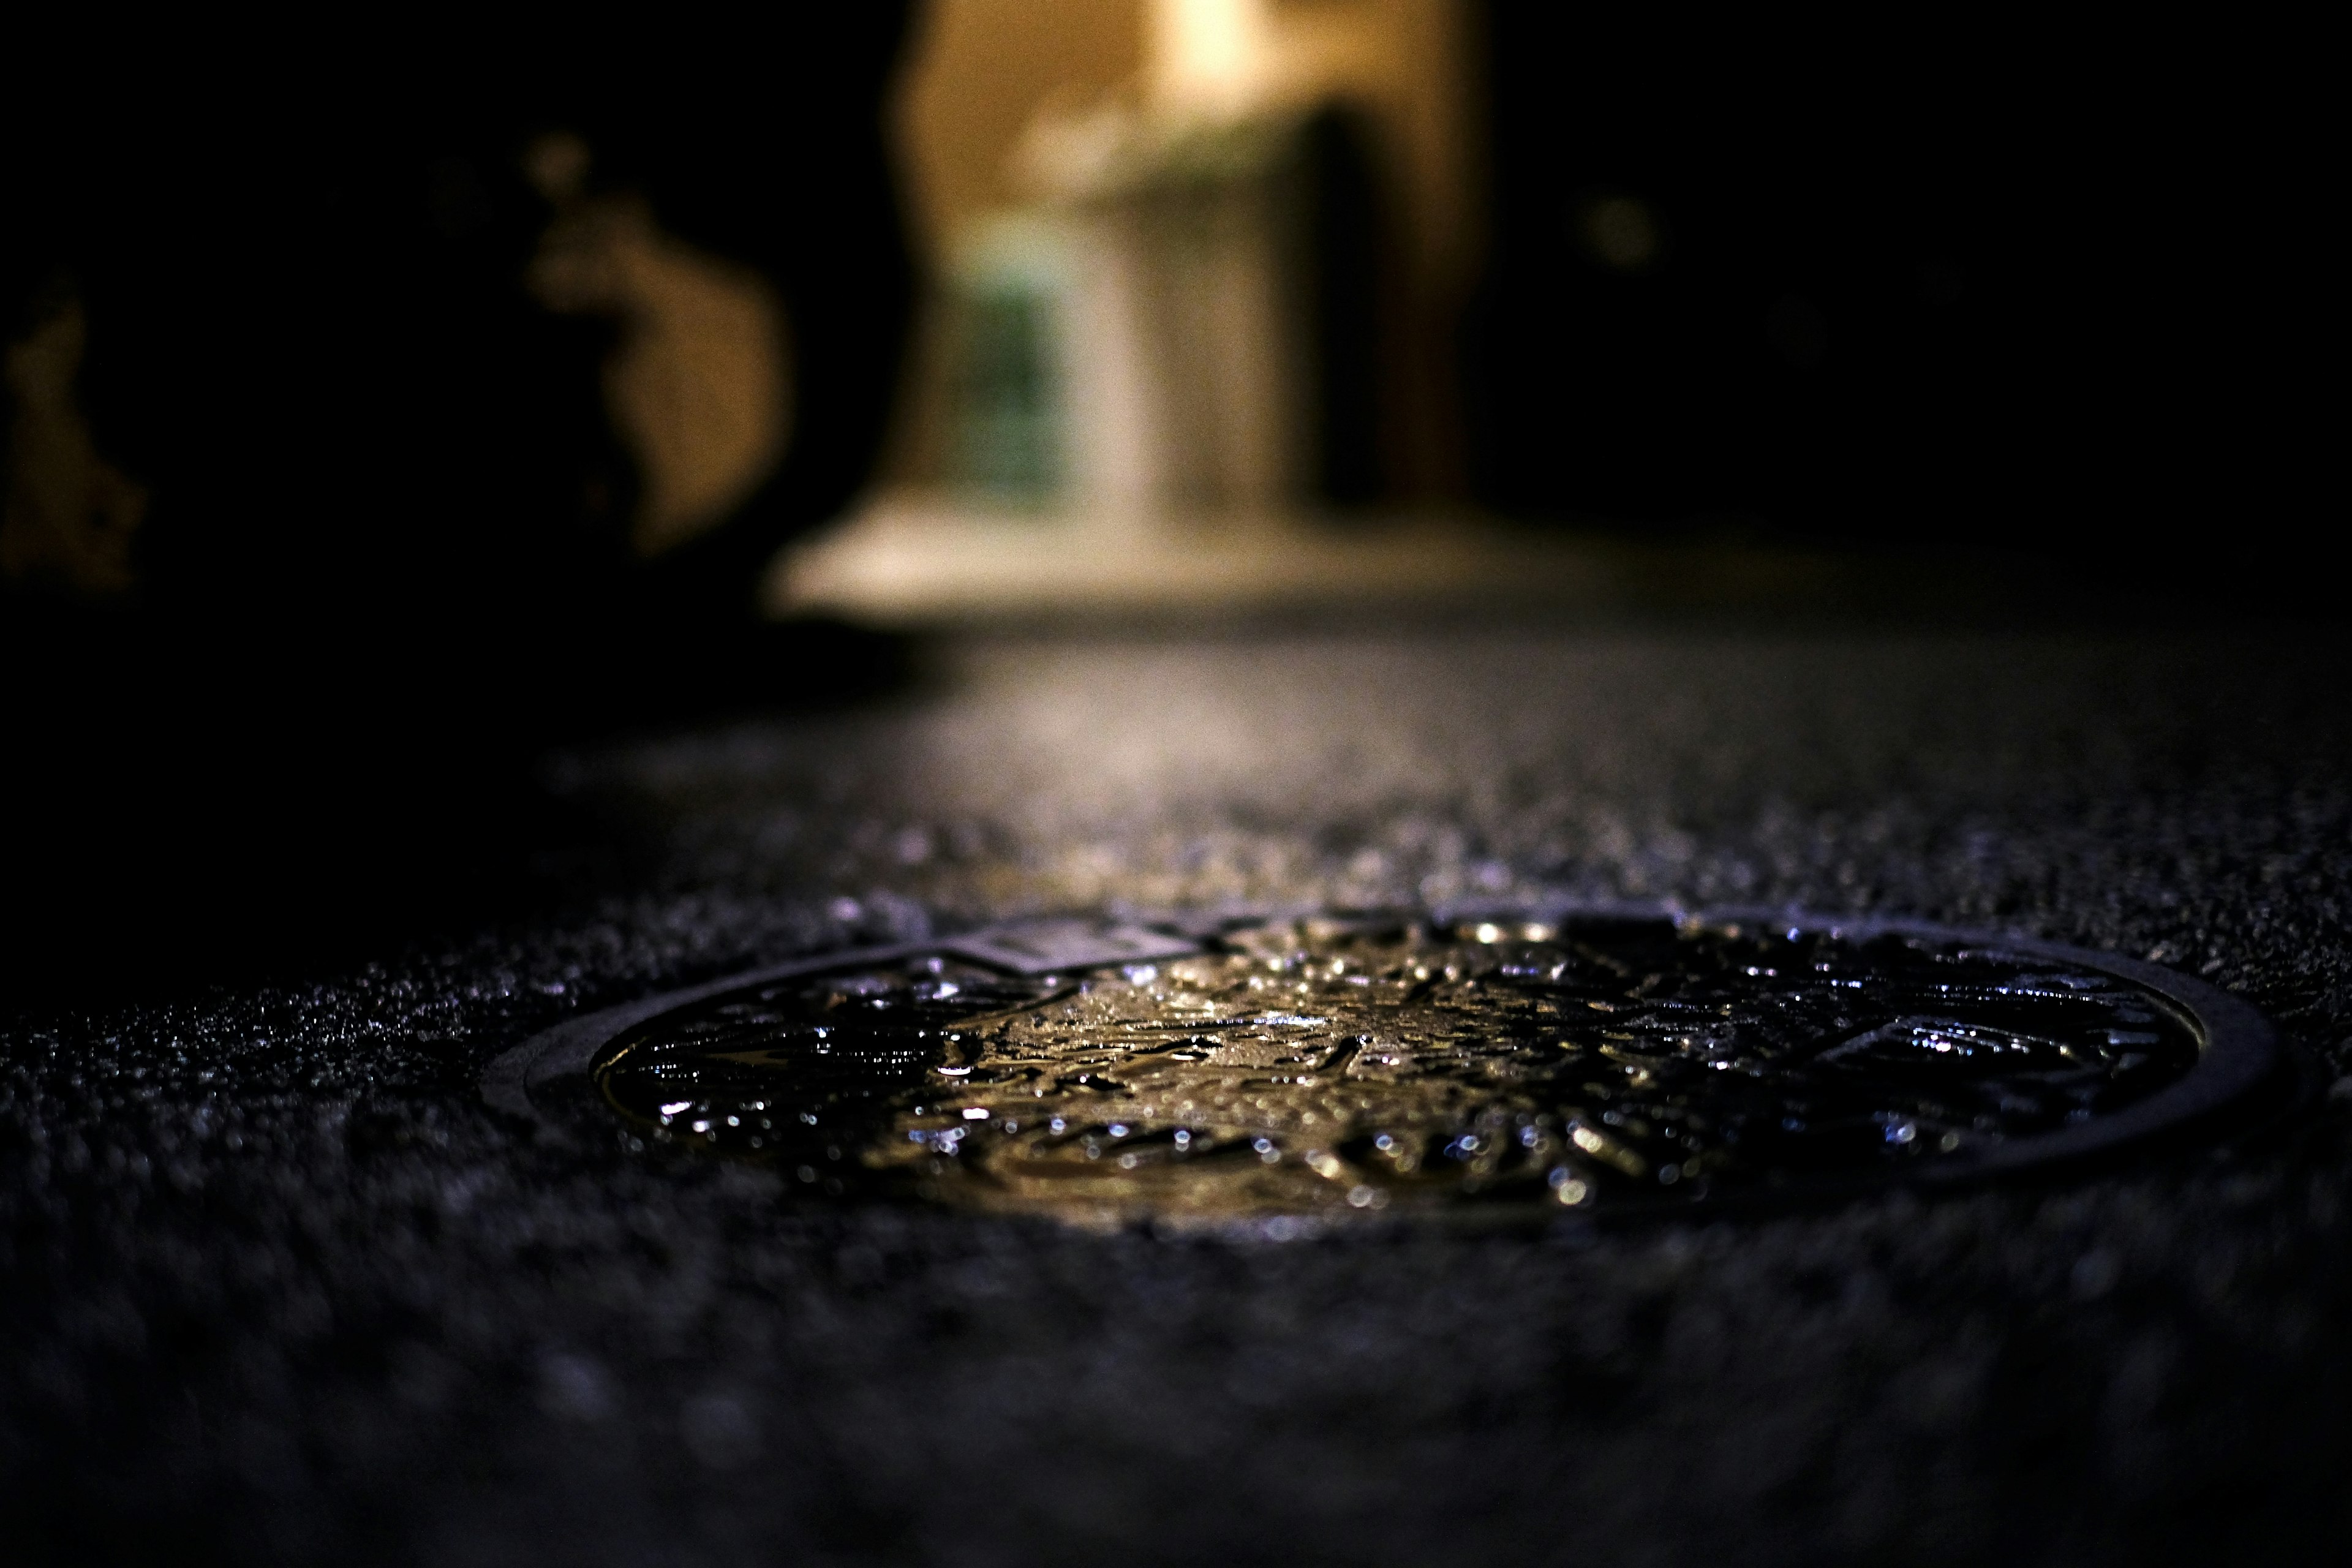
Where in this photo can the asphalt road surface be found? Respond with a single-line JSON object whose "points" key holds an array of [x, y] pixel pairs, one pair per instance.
{"points": [[277, 1285]]}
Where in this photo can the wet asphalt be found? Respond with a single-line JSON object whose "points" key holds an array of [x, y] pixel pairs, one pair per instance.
{"points": [[277, 1285]]}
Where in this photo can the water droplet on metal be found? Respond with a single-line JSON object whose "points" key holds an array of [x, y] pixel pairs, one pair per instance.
{"points": [[1410, 1066]]}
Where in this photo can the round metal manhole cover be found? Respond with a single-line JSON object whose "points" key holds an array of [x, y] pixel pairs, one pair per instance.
{"points": [[1331, 1068]]}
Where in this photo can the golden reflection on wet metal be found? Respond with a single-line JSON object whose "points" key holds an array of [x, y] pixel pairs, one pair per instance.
{"points": [[1337, 1070]]}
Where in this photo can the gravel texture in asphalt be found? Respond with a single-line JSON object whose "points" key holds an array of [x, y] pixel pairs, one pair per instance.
{"points": [[279, 1286]]}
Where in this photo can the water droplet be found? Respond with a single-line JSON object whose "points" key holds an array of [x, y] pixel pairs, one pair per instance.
{"points": [[1420, 1065]]}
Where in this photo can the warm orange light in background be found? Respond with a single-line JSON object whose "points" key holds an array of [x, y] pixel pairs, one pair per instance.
{"points": [[982, 71], [1119, 204], [698, 385], [1213, 56]]}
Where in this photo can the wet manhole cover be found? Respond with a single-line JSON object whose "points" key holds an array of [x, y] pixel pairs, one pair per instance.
{"points": [[1336, 1067]]}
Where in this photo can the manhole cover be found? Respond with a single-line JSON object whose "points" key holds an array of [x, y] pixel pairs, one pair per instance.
{"points": [[1329, 1067]]}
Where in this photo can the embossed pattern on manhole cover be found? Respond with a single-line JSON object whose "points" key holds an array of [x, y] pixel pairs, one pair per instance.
{"points": [[1334, 1067]]}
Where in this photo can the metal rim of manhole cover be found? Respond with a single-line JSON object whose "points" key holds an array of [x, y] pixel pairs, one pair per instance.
{"points": [[1301, 1069]]}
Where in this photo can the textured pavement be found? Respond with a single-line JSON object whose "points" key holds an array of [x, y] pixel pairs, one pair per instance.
{"points": [[276, 1285]]}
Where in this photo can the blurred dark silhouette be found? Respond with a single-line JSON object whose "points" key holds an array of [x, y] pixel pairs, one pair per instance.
{"points": [[1970, 279], [1355, 409], [325, 506]]}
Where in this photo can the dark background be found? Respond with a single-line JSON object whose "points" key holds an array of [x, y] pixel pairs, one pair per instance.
{"points": [[2040, 283], [310, 335], [386, 561]]}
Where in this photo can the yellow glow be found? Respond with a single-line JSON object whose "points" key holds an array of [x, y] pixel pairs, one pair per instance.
{"points": [[1212, 56]]}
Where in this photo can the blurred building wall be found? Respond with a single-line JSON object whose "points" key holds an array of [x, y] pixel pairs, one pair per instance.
{"points": [[987, 76], [979, 72]]}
